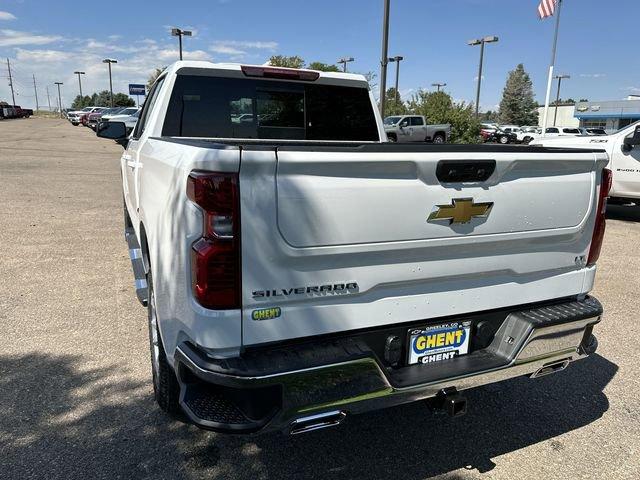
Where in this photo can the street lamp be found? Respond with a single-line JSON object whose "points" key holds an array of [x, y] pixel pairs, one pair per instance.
{"points": [[385, 52], [560, 78], [344, 61], [109, 61], [177, 32], [59, 98], [79, 81], [481, 42], [438, 85], [397, 59]]}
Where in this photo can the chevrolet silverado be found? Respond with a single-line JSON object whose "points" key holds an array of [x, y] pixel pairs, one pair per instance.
{"points": [[297, 268]]}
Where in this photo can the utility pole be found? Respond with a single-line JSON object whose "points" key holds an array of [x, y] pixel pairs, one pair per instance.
{"points": [[79, 81], [59, 97], [397, 59], [560, 78], [177, 32], [481, 42], [385, 56], [35, 90], [13, 95], [439, 85], [48, 98], [109, 61], [344, 61]]}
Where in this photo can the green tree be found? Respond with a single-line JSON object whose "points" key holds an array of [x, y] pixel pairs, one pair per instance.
{"points": [[284, 61], [81, 102], [518, 105], [394, 106], [123, 100], [439, 107], [323, 67], [154, 76]]}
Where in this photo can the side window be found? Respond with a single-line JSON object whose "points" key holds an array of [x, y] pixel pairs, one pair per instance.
{"points": [[417, 121], [147, 107], [552, 130]]}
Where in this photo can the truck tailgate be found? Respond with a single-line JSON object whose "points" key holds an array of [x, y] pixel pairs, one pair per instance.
{"points": [[337, 239]]}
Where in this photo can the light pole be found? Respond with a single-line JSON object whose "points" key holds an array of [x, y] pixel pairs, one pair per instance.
{"points": [[109, 61], [177, 32], [344, 61], [59, 98], [560, 78], [385, 53], [397, 59], [79, 81], [439, 85], [481, 42]]}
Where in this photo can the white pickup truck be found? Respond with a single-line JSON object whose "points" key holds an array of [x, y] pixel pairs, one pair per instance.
{"points": [[623, 148], [298, 269]]}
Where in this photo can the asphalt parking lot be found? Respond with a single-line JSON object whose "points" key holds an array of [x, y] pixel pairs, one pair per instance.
{"points": [[75, 388]]}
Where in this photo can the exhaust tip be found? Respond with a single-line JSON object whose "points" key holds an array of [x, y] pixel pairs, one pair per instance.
{"points": [[550, 368], [316, 422]]}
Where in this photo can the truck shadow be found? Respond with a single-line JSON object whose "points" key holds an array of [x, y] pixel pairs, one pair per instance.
{"points": [[625, 213], [60, 418]]}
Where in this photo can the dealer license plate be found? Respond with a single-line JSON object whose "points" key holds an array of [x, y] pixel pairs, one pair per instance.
{"points": [[438, 342]]}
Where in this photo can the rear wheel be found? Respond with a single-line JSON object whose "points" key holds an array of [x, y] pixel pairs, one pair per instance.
{"points": [[527, 140], [504, 139], [438, 138], [392, 138], [166, 389]]}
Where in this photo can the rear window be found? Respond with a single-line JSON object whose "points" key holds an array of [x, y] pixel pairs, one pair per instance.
{"points": [[261, 109], [571, 130]]}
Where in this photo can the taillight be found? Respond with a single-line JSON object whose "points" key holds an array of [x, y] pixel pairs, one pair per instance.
{"points": [[281, 73], [215, 257], [598, 231]]}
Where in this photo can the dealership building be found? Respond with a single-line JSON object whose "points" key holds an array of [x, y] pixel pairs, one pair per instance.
{"points": [[611, 115]]}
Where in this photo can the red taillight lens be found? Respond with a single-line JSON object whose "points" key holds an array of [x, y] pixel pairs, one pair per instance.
{"points": [[215, 258], [598, 231]]}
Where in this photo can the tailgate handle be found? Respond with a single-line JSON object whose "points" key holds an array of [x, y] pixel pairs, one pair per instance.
{"points": [[456, 171]]}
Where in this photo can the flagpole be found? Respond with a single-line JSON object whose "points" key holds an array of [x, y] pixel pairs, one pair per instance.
{"points": [[551, 67]]}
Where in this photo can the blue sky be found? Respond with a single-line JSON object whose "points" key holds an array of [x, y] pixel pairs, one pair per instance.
{"points": [[52, 39]]}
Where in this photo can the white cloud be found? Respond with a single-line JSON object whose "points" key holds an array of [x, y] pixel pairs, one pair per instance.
{"points": [[41, 55], [108, 47], [593, 75], [237, 49], [226, 50], [9, 38], [171, 55], [6, 16]]}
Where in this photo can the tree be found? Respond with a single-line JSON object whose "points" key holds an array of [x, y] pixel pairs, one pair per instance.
{"points": [[393, 107], [439, 107], [490, 116], [518, 105], [323, 67], [123, 100], [284, 61], [81, 102], [154, 76]]}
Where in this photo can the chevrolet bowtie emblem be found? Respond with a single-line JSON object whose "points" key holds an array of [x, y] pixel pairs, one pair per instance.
{"points": [[462, 210]]}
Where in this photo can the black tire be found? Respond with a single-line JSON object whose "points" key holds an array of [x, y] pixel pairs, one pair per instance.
{"points": [[527, 140], [166, 388], [392, 138], [439, 138], [504, 139]]}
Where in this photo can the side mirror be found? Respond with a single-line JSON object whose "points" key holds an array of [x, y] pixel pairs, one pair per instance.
{"points": [[632, 140], [112, 130]]}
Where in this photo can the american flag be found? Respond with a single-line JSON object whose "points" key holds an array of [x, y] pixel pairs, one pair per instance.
{"points": [[546, 8]]}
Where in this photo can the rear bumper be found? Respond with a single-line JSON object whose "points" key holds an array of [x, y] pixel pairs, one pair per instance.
{"points": [[271, 389]]}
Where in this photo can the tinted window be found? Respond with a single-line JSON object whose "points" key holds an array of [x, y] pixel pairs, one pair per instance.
{"points": [[417, 121], [203, 106], [571, 130], [391, 120], [553, 130]]}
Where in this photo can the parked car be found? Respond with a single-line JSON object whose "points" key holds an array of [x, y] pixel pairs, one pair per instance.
{"points": [[129, 120], [623, 148], [126, 111], [95, 117], [526, 134], [414, 128], [498, 136], [553, 132], [74, 116], [305, 270]]}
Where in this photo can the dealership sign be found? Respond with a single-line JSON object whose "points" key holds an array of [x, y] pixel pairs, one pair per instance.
{"points": [[137, 89]]}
